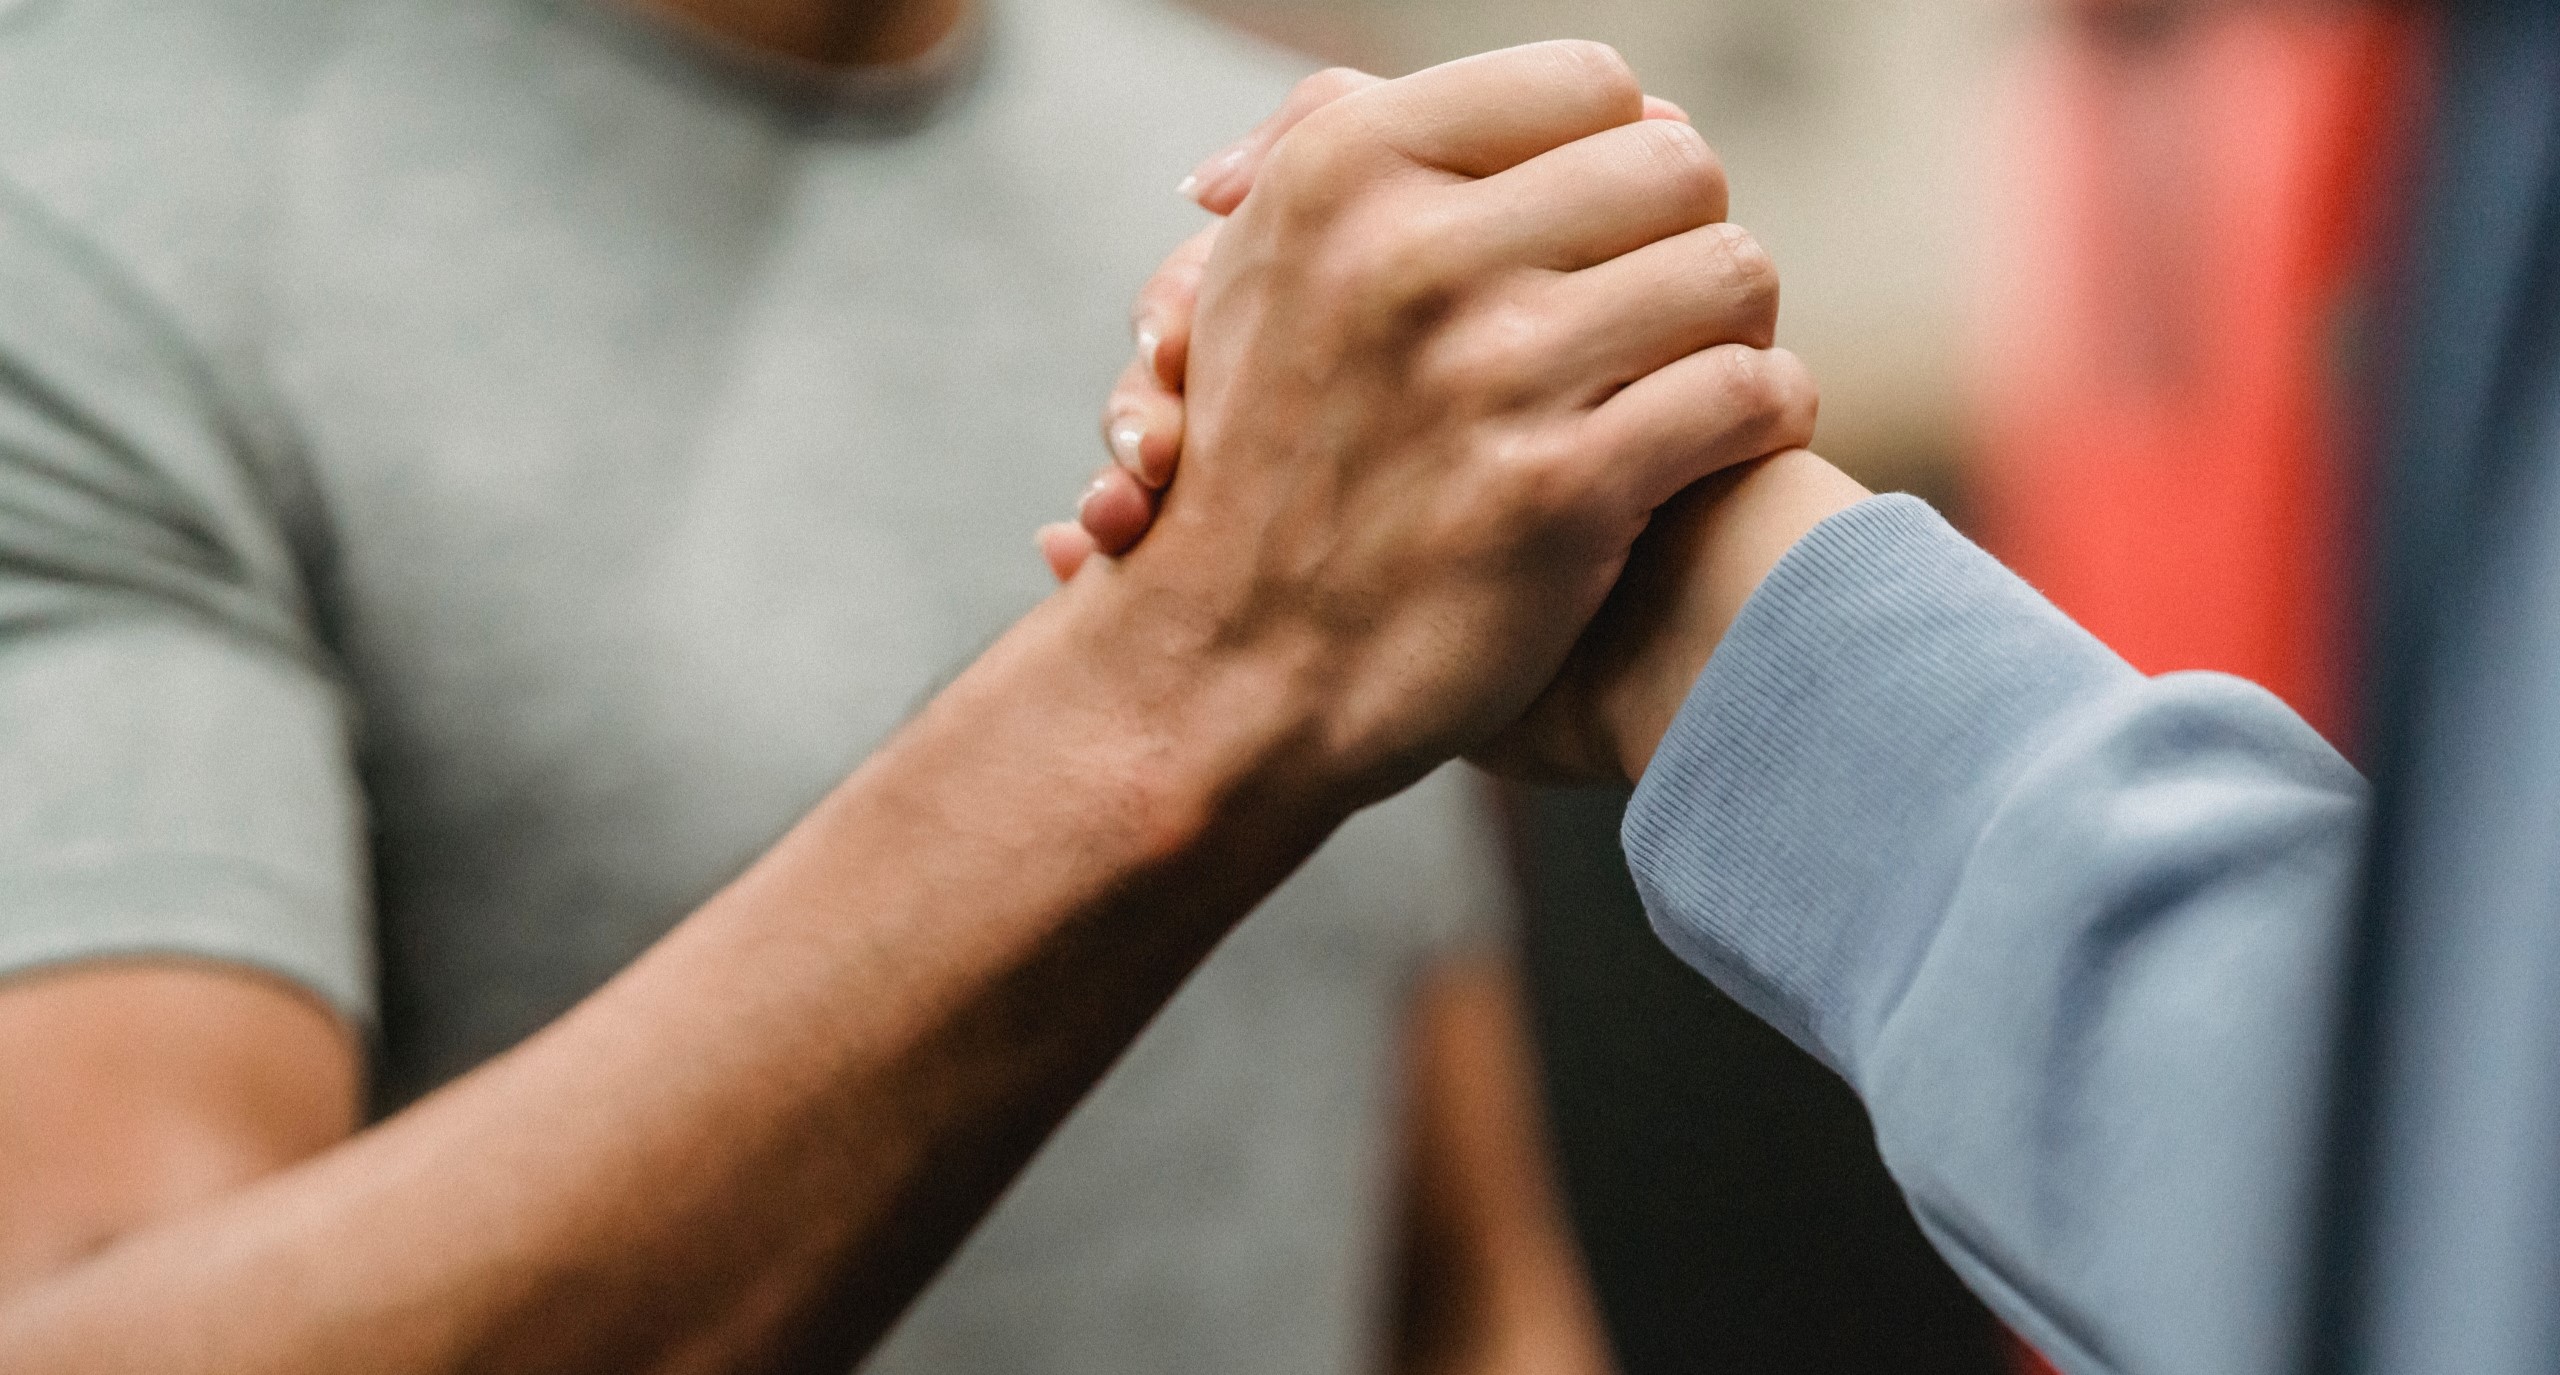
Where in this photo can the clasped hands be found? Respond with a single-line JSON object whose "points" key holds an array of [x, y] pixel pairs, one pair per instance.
{"points": [[1464, 343]]}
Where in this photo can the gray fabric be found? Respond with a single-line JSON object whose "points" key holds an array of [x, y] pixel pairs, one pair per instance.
{"points": [[2073, 934], [472, 472]]}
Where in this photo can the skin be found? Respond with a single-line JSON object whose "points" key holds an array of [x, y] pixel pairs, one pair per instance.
{"points": [[1491, 1279], [222, 1077], [1706, 550], [827, 33], [751, 1147]]}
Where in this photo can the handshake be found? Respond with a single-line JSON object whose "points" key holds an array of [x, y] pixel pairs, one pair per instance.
{"points": [[1463, 433], [1481, 431]]}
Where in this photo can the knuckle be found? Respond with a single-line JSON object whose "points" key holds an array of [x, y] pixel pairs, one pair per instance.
{"points": [[1331, 132], [1767, 395], [1495, 359], [1799, 398], [1397, 258], [1748, 384], [1325, 87], [1311, 164], [1686, 165], [1544, 482], [1598, 68], [1745, 261], [1743, 276]]}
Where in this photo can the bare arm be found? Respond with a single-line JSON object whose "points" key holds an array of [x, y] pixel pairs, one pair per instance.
{"points": [[751, 1148], [1493, 1281], [721, 1160], [218, 1077]]}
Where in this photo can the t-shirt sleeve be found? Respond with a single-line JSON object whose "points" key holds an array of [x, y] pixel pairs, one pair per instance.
{"points": [[176, 774]]}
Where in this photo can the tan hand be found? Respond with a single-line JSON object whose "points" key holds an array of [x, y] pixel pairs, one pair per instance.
{"points": [[1465, 333], [1626, 676], [1142, 423]]}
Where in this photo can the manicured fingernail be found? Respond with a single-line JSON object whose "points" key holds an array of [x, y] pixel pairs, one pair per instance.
{"points": [[1090, 493], [1212, 170], [1128, 443], [1189, 187], [1150, 338]]}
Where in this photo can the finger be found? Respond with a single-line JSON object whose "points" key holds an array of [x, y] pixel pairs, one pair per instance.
{"points": [[1706, 412], [1115, 511], [1219, 183], [1142, 425], [1644, 310], [1598, 197], [1221, 180], [1064, 546], [1160, 322], [1484, 114]]}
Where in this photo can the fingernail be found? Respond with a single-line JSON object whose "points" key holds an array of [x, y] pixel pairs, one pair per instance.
{"points": [[1189, 187], [1150, 338], [1212, 170], [1090, 492], [1128, 442]]}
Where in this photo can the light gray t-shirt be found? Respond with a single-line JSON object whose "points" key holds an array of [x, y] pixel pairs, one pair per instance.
{"points": [[473, 471]]}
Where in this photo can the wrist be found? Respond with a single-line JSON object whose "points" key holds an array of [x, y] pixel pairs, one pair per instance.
{"points": [[1183, 742], [1732, 541]]}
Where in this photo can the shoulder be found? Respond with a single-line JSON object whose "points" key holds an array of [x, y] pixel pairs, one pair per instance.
{"points": [[153, 132], [99, 98]]}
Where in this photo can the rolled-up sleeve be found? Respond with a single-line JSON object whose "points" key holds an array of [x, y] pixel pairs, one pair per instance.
{"points": [[2073, 933], [176, 775]]}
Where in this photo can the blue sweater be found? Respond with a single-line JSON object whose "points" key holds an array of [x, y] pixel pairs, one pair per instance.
{"points": [[2072, 933]]}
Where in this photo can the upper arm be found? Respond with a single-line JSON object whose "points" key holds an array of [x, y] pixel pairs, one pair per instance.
{"points": [[176, 775], [132, 1090]]}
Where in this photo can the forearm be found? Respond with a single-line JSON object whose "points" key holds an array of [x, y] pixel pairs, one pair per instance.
{"points": [[1494, 1281], [751, 1148], [2071, 932]]}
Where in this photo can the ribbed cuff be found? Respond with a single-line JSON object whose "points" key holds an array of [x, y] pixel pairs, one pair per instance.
{"points": [[1805, 819]]}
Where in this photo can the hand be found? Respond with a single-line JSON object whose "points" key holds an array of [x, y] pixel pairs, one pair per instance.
{"points": [[1142, 428], [1464, 334], [1142, 424], [1705, 552]]}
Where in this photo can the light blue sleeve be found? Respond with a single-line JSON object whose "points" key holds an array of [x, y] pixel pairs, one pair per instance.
{"points": [[2072, 933]]}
